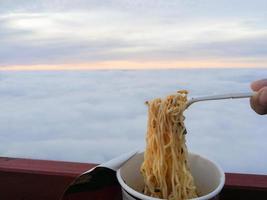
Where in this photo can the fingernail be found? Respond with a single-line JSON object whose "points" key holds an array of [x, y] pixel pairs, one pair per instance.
{"points": [[263, 98]]}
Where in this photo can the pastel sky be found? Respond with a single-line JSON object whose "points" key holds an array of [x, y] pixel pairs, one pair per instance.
{"points": [[93, 34]]}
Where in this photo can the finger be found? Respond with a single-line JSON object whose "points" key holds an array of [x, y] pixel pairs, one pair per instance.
{"points": [[259, 101], [257, 85]]}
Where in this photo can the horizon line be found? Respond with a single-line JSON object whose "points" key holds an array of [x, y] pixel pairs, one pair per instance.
{"points": [[136, 65]]}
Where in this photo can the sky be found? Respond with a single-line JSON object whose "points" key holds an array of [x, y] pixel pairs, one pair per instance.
{"points": [[116, 34], [94, 116]]}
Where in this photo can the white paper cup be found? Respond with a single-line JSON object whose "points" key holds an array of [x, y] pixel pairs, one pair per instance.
{"points": [[208, 176]]}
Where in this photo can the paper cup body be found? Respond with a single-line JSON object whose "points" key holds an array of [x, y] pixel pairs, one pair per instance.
{"points": [[208, 176]]}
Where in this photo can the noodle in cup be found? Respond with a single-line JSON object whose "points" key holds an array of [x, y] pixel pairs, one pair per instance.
{"points": [[208, 176]]}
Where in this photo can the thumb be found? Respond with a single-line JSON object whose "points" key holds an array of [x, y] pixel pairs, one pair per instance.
{"points": [[259, 101]]}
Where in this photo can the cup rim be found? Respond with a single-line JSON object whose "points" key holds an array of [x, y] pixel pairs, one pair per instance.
{"points": [[207, 196]]}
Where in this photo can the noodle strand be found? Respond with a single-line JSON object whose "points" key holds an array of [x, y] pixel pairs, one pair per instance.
{"points": [[165, 169]]}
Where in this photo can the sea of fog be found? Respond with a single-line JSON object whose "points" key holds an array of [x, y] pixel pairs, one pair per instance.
{"points": [[93, 116]]}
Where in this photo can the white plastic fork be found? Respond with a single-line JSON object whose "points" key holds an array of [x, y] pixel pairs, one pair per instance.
{"points": [[220, 97]]}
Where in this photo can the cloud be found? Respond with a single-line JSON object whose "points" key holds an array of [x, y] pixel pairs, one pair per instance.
{"points": [[168, 8], [254, 47], [60, 32], [93, 116]]}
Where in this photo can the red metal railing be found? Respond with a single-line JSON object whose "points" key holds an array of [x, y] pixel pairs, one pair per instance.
{"points": [[47, 180]]}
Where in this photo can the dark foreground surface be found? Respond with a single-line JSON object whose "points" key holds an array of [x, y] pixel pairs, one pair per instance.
{"points": [[29, 179]]}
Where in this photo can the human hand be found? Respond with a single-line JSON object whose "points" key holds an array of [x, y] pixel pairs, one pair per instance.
{"points": [[259, 101]]}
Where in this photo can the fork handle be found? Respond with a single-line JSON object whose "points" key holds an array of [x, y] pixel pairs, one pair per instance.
{"points": [[222, 96], [228, 96]]}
